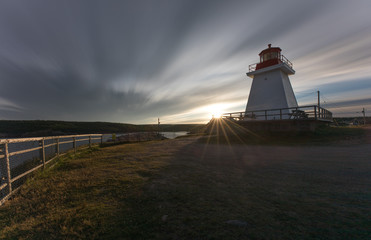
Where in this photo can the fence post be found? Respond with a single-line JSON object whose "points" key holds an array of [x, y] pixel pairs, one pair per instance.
{"points": [[89, 141], [315, 112], [265, 113], [281, 114], [74, 144], [43, 152], [2, 164], [57, 146], [101, 139], [8, 176]]}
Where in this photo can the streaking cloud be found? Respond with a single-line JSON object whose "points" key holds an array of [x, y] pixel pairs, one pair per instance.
{"points": [[134, 61]]}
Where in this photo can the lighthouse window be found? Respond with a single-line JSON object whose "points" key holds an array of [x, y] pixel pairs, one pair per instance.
{"points": [[271, 55], [267, 56]]}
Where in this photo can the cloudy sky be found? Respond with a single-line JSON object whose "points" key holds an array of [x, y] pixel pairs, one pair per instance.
{"points": [[180, 60]]}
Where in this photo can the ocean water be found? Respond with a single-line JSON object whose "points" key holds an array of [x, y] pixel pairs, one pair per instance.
{"points": [[173, 135]]}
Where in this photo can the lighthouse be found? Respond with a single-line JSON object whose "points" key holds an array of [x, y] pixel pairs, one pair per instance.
{"points": [[271, 104], [271, 88]]}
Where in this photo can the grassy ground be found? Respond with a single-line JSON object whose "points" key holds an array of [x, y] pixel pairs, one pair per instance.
{"points": [[187, 189], [226, 132]]}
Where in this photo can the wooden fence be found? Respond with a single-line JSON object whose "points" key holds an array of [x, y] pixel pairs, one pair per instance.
{"points": [[312, 112], [10, 175]]}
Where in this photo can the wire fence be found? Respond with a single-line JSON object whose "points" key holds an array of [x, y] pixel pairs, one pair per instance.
{"points": [[21, 156]]}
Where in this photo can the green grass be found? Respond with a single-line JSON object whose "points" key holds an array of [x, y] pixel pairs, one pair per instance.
{"points": [[185, 189], [77, 198]]}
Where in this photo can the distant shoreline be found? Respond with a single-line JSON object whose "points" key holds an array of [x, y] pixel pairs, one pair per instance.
{"points": [[40, 128]]}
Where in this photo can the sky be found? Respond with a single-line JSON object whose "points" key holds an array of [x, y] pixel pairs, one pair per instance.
{"points": [[177, 60]]}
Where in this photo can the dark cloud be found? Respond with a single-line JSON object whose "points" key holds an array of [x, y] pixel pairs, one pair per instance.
{"points": [[350, 103], [131, 61]]}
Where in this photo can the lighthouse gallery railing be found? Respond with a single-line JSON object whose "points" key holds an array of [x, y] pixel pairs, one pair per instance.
{"points": [[312, 112], [282, 59]]}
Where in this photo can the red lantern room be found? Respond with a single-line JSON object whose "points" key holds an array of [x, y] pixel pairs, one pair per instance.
{"points": [[268, 57]]}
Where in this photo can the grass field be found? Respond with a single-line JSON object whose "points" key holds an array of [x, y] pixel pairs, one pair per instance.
{"points": [[195, 188]]}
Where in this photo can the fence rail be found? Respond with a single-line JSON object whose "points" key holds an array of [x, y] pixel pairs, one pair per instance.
{"points": [[312, 112], [13, 171]]}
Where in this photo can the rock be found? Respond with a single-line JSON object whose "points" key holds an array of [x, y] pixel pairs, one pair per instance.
{"points": [[237, 223]]}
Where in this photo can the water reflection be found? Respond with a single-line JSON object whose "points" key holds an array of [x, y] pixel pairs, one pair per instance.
{"points": [[172, 135]]}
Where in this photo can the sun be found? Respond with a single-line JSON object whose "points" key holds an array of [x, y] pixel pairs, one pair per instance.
{"points": [[216, 114], [215, 111]]}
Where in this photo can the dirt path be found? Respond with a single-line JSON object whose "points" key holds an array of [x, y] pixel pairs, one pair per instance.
{"points": [[279, 192], [259, 154]]}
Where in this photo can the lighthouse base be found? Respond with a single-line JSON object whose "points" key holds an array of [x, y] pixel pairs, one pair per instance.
{"points": [[305, 118], [282, 125], [231, 127]]}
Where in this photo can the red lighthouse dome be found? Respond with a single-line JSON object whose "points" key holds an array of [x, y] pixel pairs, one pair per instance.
{"points": [[268, 57]]}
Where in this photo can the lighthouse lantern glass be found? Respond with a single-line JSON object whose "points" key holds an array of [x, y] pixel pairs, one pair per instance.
{"points": [[268, 56]]}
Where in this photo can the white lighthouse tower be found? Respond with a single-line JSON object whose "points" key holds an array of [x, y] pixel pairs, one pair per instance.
{"points": [[271, 88]]}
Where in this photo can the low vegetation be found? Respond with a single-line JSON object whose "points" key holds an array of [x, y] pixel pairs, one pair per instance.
{"points": [[186, 189], [39, 128]]}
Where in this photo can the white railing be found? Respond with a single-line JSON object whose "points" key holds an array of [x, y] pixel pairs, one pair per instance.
{"points": [[49, 148], [282, 59], [312, 112]]}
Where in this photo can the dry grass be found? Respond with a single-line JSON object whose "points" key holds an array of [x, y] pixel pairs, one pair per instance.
{"points": [[80, 197], [186, 189]]}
